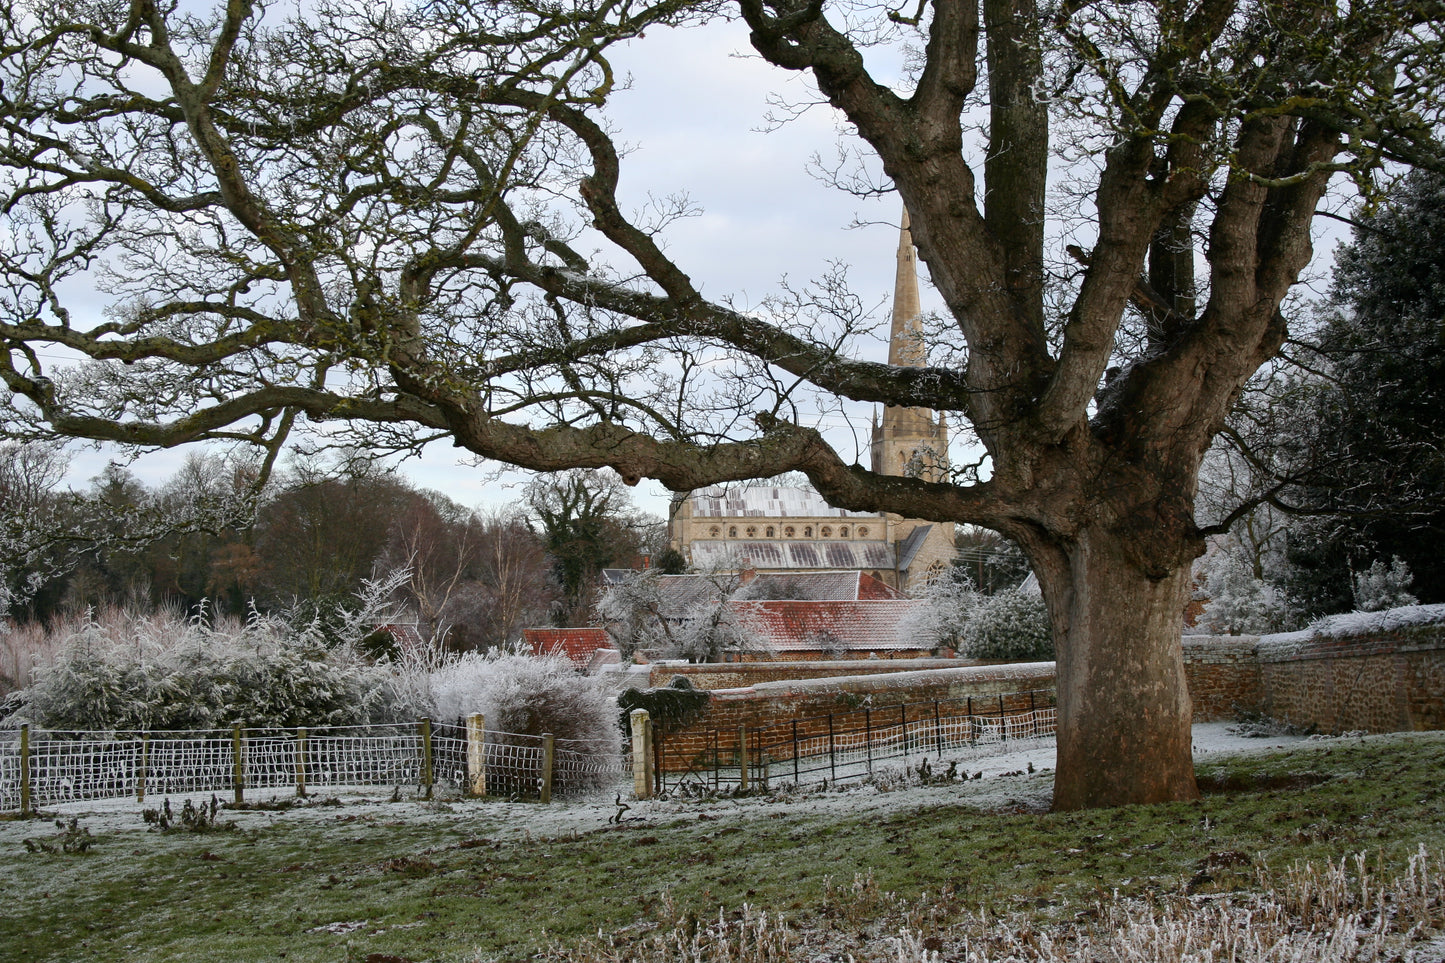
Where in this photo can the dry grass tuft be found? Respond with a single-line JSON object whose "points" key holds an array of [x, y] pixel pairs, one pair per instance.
{"points": [[1352, 911]]}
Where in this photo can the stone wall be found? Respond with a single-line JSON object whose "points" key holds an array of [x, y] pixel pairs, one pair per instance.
{"points": [[1386, 680]]}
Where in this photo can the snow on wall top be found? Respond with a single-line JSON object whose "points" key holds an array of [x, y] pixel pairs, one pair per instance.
{"points": [[1363, 623], [1353, 625]]}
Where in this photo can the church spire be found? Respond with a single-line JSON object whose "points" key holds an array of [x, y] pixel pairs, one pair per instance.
{"points": [[905, 341], [908, 440]]}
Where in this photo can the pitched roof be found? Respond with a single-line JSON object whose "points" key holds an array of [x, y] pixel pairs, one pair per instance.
{"points": [[576, 644], [854, 626], [820, 554], [766, 501], [816, 587], [679, 593], [909, 549]]}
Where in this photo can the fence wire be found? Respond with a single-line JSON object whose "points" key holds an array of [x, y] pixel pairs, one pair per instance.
{"points": [[81, 766]]}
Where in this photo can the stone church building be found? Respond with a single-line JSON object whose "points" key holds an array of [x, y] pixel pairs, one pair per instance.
{"points": [[774, 527]]}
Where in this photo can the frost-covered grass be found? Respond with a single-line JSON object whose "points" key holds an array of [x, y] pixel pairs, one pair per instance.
{"points": [[827, 875]]}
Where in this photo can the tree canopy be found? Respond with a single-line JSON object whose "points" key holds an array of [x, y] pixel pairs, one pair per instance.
{"points": [[404, 220]]}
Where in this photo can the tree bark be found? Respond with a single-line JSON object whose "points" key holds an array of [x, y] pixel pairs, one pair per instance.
{"points": [[1124, 712]]}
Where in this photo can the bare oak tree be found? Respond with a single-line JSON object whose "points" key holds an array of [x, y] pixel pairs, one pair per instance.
{"points": [[375, 215]]}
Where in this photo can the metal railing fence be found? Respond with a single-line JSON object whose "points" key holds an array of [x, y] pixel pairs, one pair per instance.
{"points": [[853, 745], [40, 768]]}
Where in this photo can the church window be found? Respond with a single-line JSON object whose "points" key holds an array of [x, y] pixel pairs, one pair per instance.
{"points": [[733, 531], [752, 531], [863, 531], [715, 532], [843, 532], [827, 531], [808, 531], [790, 532], [769, 532]]}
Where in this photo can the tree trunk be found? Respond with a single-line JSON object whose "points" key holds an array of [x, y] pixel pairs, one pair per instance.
{"points": [[1124, 711]]}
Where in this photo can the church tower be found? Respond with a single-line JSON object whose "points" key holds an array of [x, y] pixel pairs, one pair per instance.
{"points": [[910, 441], [785, 528]]}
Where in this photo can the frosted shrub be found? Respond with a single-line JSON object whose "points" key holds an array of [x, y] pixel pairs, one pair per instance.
{"points": [[948, 601], [1237, 601], [1011, 625], [157, 673], [1379, 588], [528, 695]]}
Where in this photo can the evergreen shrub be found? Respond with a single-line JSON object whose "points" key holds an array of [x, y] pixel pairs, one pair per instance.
{"points": [[1012, 626]]}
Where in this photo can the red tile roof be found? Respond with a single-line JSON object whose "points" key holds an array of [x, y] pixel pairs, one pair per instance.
{"points": [[577, 644], [853, 626]]}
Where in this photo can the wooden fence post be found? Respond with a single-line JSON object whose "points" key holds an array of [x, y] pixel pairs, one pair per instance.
{"points": [[795, 750], [145, 761], [477, 754], [549, 756], [238, 765], [903, 718], [643, 777], [301, 761], [426, 767], [868, 737], [832, 755], [25, 772], [742, 758]]}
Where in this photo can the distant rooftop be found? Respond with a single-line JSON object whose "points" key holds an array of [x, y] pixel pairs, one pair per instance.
{"points": [[578, 644], [710, 553], [870, 626], [766, 501]]}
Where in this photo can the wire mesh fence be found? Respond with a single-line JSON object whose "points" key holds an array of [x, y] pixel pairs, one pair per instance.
{"points": [[40, 768], [854, 745]]}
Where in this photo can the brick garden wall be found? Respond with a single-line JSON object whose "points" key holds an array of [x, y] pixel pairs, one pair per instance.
{"points": [[848, 698], [1224, 676], [1357, 672], [735, 675]]}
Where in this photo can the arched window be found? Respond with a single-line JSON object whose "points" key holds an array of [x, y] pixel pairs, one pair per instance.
{"points": [[732, 531], [808, 531], [843, 531], [769, 532]]}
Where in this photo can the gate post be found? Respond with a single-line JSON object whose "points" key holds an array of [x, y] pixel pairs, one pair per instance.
{"points": [[477, 754], [742, 759], [238, 765], [549, 756], [25, 771], [301, 761], [642, 767], [145, 758], [426, 764]]}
